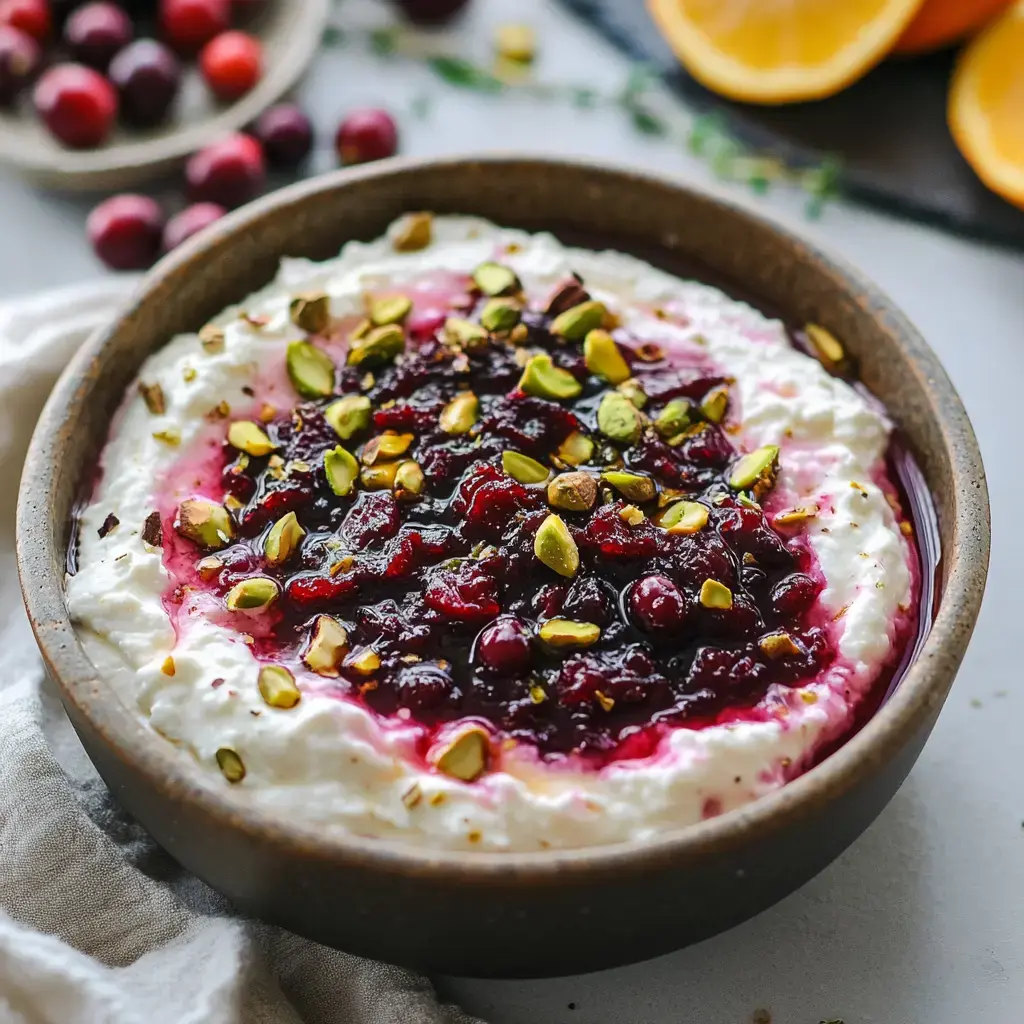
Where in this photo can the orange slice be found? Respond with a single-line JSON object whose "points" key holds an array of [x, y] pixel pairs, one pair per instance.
{"points": [[781, 51], [985, 104], [942, 22]]}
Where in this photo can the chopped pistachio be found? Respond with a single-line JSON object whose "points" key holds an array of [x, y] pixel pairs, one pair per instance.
{"points": [[791, 516], [253, 593], [409, 480], [204, 523], [826, 347], [568, 294], [714, 404], [230, 764], [348, 415], [233, 503], [575, 491], [327, 645], [388, 445], [516, 43], [542, 379], [377, 347], [283, 540], [524, 469], [458, 331], [413, 232], [649, 352], [566, 633], [363, 660], [603, 357], [209, 567], [684, 517], [537, 693], [631, 515], [277, 687], [310, 369], [171, 436], [212, 339], [632, 486], [494, 279], [715, 595], [778, 645], [311, 311], [267, 412], [756, 472], [619, 419], [459, 415], [391, 310], [634, 391], [153, 396], [379, 477], [674, 418], [341, 470], [576, 449], [189, 374], [577, 322], [360, 330], [465, 756], [500, 315], [249, 438], [606, 702], [554, 546]]}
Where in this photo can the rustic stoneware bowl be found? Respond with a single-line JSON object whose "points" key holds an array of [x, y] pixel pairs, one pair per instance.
{"points": [[517, 914]]}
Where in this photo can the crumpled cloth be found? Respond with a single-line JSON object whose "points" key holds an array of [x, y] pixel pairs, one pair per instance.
{"points": [[97, 924]]}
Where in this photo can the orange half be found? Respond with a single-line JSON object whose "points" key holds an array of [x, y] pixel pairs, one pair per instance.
{"points": [[781, 51], [942, 22], [986, 105]]}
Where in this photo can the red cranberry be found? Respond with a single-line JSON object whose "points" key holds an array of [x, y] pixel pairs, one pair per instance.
{"points": [[505, 646], [19, 60], [794, 594], [232, 64], [657, 604], [77, 104], [31, 16], [188, 25], [191, 220], [147, 76], [366, 135], [286, 134], [97, 31], [125, 231], [430, 12], [229, 172]]}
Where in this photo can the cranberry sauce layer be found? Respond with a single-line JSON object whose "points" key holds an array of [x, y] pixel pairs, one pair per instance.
{"points": [[514, 514]]}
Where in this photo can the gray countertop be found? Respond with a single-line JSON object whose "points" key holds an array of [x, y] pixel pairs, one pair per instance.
{"points": [[922, 920]]}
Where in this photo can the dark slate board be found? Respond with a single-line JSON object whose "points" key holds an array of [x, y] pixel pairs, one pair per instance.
{"points": [[889, 128]]}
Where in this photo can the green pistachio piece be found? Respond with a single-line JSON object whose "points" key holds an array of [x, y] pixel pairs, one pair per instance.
{"points": [[379, 477], [413, 232], [230, 764], [283, 540], [632, 486], [348, 415], [277, 687], [327, 646], [310, 369], [578, 321], [524, 469], [634, 391], [363, 660], [756, 472], [684, 517], [153, 396], [577, 449], [542, 379], [249, 438], [674, 418], [631, 515], [500, 315], [204, 523], [603, 357], [714, 404], [458, 331], [778, 645], [566, 633], [554, 546], [409, 480], [793, 516], [826, 347], [715, 595], [377, 347], [459, 415], [388, 445], [619, 419], [311, 312], [341, 470], [391, 310], [573, 492], [253, 593], [465, 756], [494, 279]]}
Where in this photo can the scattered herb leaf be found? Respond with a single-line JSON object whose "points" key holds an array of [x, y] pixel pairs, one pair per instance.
{"points": [[333, 36], [465, 74]]}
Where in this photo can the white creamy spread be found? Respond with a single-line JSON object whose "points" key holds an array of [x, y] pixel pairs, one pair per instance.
{"points": [[328, 761]]}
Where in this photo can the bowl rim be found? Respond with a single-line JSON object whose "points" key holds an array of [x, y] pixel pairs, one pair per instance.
{"points": [[918, 697]]}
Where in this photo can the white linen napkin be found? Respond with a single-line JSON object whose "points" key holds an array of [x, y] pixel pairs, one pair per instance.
{"points": [[97, 924]]}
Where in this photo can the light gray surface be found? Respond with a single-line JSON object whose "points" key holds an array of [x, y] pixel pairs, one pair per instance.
{"points": [[922, 921]]}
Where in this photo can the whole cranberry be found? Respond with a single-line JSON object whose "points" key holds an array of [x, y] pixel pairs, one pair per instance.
{"points": [[125, 231], [366, 135], [504, 646], [232, 64], [184, 225], [96, 31], [19, 61], [148, 77], [31, 16], [657, 604], [229, 172], [430, 12], [77, 104], [188, 25], [286, 134]]}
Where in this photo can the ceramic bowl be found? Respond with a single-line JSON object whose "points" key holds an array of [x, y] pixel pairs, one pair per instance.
{"points": [[526, 914]]}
